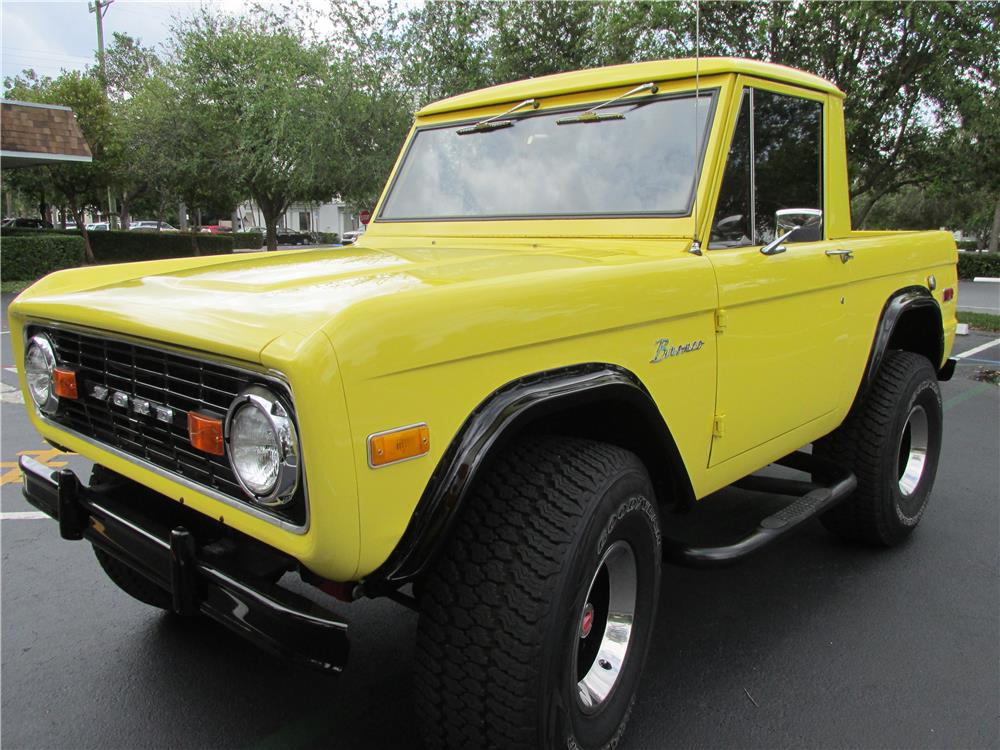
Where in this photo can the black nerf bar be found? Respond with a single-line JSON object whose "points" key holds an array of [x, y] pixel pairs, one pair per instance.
{"points": [[278, 620]]}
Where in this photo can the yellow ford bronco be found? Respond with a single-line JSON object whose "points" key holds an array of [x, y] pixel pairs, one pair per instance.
{"points": [[584, 303]]}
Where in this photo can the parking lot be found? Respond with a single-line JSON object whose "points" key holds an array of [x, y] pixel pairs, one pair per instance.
{"points": [[812, 643]]}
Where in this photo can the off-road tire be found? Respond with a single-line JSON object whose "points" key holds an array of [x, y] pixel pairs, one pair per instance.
{"points": [[132, 583], [870, 443], [128, 580], [502, 612]]}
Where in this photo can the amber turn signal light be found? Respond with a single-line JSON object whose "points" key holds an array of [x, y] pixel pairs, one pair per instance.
{"points": [[64, 383], [398, 445], [206, 433]]}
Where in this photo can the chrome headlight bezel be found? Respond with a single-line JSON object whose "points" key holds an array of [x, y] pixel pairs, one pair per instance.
{"points": [[42, 343], [286, 482]]}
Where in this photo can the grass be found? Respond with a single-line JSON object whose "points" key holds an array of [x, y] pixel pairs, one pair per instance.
{"points": [[982, 321], [14, 286]]}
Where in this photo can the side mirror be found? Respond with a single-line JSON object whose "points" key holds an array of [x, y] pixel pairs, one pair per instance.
{"points": [[807, 223]]}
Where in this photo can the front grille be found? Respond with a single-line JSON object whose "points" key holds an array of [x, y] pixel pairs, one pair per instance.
{"points": [[180, 382]]}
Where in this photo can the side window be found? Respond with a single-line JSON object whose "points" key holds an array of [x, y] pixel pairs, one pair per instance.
{"points": [[788, 161], [732, 226], [775, 162]]}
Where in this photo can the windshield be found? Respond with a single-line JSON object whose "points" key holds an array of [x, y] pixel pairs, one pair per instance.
{"points": [[643, 164]]}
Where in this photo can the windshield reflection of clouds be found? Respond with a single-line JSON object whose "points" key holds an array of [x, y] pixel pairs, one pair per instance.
{"points": [[644, 163]]}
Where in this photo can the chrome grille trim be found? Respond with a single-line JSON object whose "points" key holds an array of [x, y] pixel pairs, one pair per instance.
{"points": [[183, 380]]}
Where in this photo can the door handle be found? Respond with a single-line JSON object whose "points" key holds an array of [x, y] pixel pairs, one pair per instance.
{"points": [[844, 255]]}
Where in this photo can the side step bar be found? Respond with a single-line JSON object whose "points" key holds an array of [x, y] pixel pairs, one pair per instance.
{"points": [[811, 500]]}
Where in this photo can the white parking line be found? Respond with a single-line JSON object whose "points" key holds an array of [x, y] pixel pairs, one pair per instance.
{"points": [[23, 515], [977, 349], [10, 394]]}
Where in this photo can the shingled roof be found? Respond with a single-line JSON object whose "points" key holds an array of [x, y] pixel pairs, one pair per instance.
{"points": [[39, 134]]}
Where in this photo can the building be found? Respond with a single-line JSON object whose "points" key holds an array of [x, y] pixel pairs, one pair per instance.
{"points": [[333, 216], [33, 134]]}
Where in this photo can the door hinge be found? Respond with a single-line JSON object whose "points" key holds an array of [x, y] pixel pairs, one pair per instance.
{"points": [[721, 320], [719, 426]]}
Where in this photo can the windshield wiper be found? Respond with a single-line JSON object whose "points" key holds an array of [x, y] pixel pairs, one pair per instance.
{"points": [[592, 115], [495, 123]]}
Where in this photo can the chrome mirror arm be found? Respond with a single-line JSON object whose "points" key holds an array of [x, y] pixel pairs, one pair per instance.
{"points": [[774, 247]]}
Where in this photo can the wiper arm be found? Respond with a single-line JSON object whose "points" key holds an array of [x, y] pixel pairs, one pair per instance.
{"points": [[592, 115], [495, 122]]}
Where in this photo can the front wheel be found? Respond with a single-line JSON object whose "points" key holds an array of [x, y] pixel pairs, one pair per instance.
{"points": [[536, 619], [891, 440]]}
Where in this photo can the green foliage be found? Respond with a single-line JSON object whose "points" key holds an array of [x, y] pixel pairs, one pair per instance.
{"points": [[256, 90], [248, 240], [28, 257], [971, 265], [125, 247]]}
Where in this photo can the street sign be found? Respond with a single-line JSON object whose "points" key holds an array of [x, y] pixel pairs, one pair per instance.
{"points": [[365, 216]]}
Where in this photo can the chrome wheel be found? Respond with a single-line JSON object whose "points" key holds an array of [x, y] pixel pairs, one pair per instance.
{"points": [[912, 452], [604, 628]]}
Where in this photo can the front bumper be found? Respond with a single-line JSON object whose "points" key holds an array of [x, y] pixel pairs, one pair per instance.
{"points": [[205, 571]]}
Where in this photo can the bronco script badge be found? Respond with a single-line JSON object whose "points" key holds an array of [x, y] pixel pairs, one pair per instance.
{"points": [[664, 350]]}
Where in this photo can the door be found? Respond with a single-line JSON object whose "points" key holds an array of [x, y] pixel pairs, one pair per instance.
{"points": [[781, 314]]}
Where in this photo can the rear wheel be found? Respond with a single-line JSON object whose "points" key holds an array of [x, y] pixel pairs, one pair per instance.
{"points": [[891, 440], [536, 618]]}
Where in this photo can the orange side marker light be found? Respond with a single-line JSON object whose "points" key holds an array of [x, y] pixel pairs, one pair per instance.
{"points": [[398, 445], [64, 383], [206, 433]]}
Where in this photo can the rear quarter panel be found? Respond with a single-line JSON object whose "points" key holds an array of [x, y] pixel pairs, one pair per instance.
{"points": [[884, 263]]}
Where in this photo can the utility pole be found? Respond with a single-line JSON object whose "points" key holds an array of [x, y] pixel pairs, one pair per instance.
{"points": [[99, 8]]}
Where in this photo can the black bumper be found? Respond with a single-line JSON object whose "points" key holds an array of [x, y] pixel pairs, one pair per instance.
{"points": [[208, 579]]}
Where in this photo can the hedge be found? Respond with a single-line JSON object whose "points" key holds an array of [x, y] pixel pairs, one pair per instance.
{"points": [[124, 246], [971, 265], [26, 258], [248, 240]]}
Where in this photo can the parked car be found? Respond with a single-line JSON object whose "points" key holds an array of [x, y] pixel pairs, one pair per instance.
{"points": [[100, 226], [351, 237], [150, 226], [214, 229], [504, 411], [26, 222], [285, 235]]}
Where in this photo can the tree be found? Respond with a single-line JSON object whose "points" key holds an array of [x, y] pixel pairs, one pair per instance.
{"points": [[252, 88]]}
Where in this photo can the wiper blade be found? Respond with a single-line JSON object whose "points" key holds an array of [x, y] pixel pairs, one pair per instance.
{"points": [[495, 122], [592, 115]]}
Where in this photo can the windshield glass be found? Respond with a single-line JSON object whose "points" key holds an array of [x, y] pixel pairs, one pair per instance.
{"points": [[643, 164]]}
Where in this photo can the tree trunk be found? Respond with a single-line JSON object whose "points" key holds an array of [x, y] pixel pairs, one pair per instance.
{"points": [[995, 232], [88, 252], [126, 216], [182, 216], [271, 209]]}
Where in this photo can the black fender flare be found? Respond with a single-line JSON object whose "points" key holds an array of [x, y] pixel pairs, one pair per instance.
{"points": [[899, 303], [489, 428]]}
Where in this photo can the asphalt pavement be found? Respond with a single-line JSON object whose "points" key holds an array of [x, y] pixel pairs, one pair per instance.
{"points": [[811, 643]]}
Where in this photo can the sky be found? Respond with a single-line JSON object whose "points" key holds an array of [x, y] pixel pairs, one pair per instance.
{"points": [[49, 35]]}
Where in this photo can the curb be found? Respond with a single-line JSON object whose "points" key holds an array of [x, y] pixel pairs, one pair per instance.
{"points": [[988, 279]]}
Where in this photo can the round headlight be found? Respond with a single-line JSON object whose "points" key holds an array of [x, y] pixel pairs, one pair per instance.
{"points": [[263, 447], [39, 362]]}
